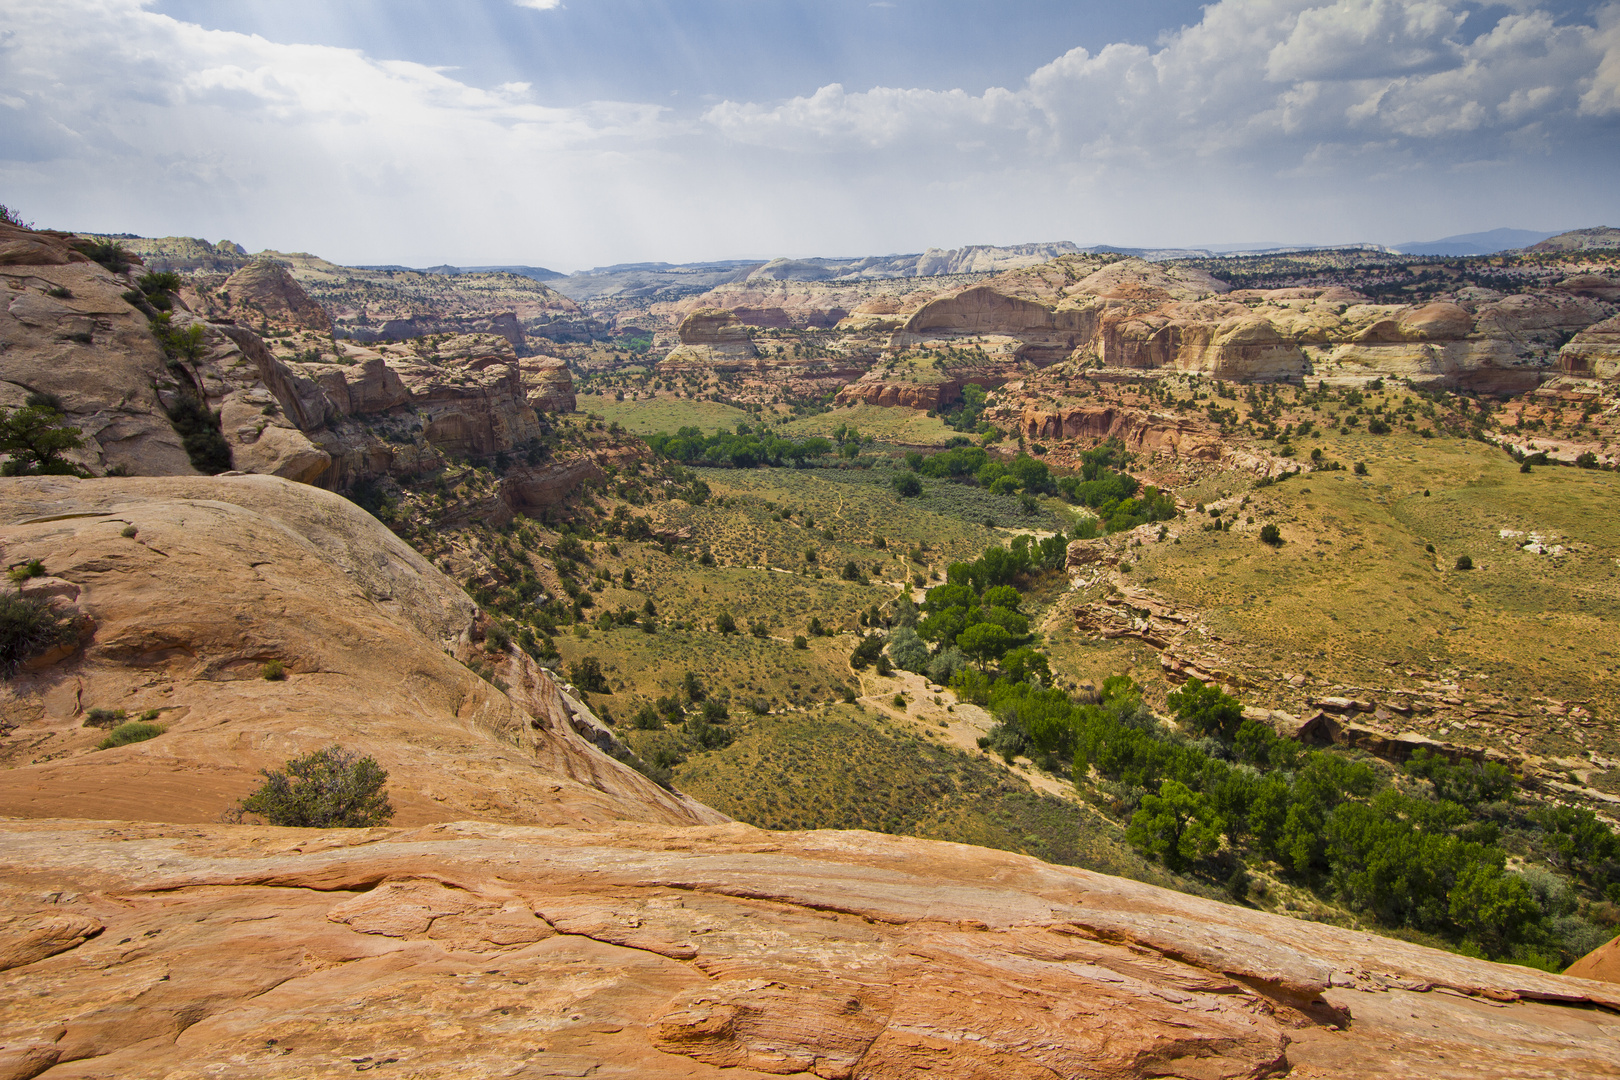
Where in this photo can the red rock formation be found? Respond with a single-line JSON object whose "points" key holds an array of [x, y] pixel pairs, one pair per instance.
{"points": [[907, 395], [527, 489], [1137, 429], [1602, 964]]}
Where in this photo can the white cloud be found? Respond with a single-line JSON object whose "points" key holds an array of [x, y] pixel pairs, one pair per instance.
{"points": [[539, 5], [1361, 119]]}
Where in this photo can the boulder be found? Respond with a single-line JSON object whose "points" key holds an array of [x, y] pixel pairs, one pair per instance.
{"points": [[713, 326]]}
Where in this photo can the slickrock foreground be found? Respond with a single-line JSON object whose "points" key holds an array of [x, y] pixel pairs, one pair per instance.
{"points": [[139, 950]]}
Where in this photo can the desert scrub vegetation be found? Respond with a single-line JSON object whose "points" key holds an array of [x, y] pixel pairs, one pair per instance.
{"points": [[331, 788], [131, 731], [840, 766]]}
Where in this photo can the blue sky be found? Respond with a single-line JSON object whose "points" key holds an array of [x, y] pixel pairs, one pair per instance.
{"points": [[594, 131]]}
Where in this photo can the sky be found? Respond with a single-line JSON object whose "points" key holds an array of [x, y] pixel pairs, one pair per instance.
{"points": [[580, 133]]}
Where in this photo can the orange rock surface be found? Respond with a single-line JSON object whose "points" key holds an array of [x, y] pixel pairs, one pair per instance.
{"points": [[470, 949]]}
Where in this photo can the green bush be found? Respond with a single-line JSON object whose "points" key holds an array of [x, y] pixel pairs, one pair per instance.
{"points": [[907, 486], [109, 253], [332, 788], [133, 731], [907, 650], [273, 671], [1464, 562], [200, 434], [29, 626], [1270, 534], [105, 718]]}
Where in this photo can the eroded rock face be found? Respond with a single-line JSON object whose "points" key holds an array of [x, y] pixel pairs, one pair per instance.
{"points": [[712, 326], [1137, 316], [224, 574], [67, 331], [267, 289], [548, 384], [488, 950], [1594, 353], [1136, 429], [910, 395]]}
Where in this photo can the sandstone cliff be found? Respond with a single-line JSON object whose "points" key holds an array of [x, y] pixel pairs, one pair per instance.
{"points": [[1594, 353], [69, 330], [1132, 315], [218, 577]]}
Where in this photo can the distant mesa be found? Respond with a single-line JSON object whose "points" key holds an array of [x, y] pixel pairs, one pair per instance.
{"points": [[1580, 240], [1479, 243]]}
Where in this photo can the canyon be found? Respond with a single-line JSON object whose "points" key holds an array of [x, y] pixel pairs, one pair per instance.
{"points": [[544, 901]]}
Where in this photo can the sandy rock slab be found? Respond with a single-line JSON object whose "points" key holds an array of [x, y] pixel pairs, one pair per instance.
{"points": [[486, 950]]}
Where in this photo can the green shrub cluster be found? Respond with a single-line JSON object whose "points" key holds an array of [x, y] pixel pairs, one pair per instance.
{"points": [[743, 448], [1118, 498]]}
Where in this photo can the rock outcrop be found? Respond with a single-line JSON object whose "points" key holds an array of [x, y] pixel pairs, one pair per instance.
{"points": [[265, 292], [911, 395], [1602, 963], [1138, 430], [548, 384], [488, 950], [68, 332], [190, 586], [1594, 353]]}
